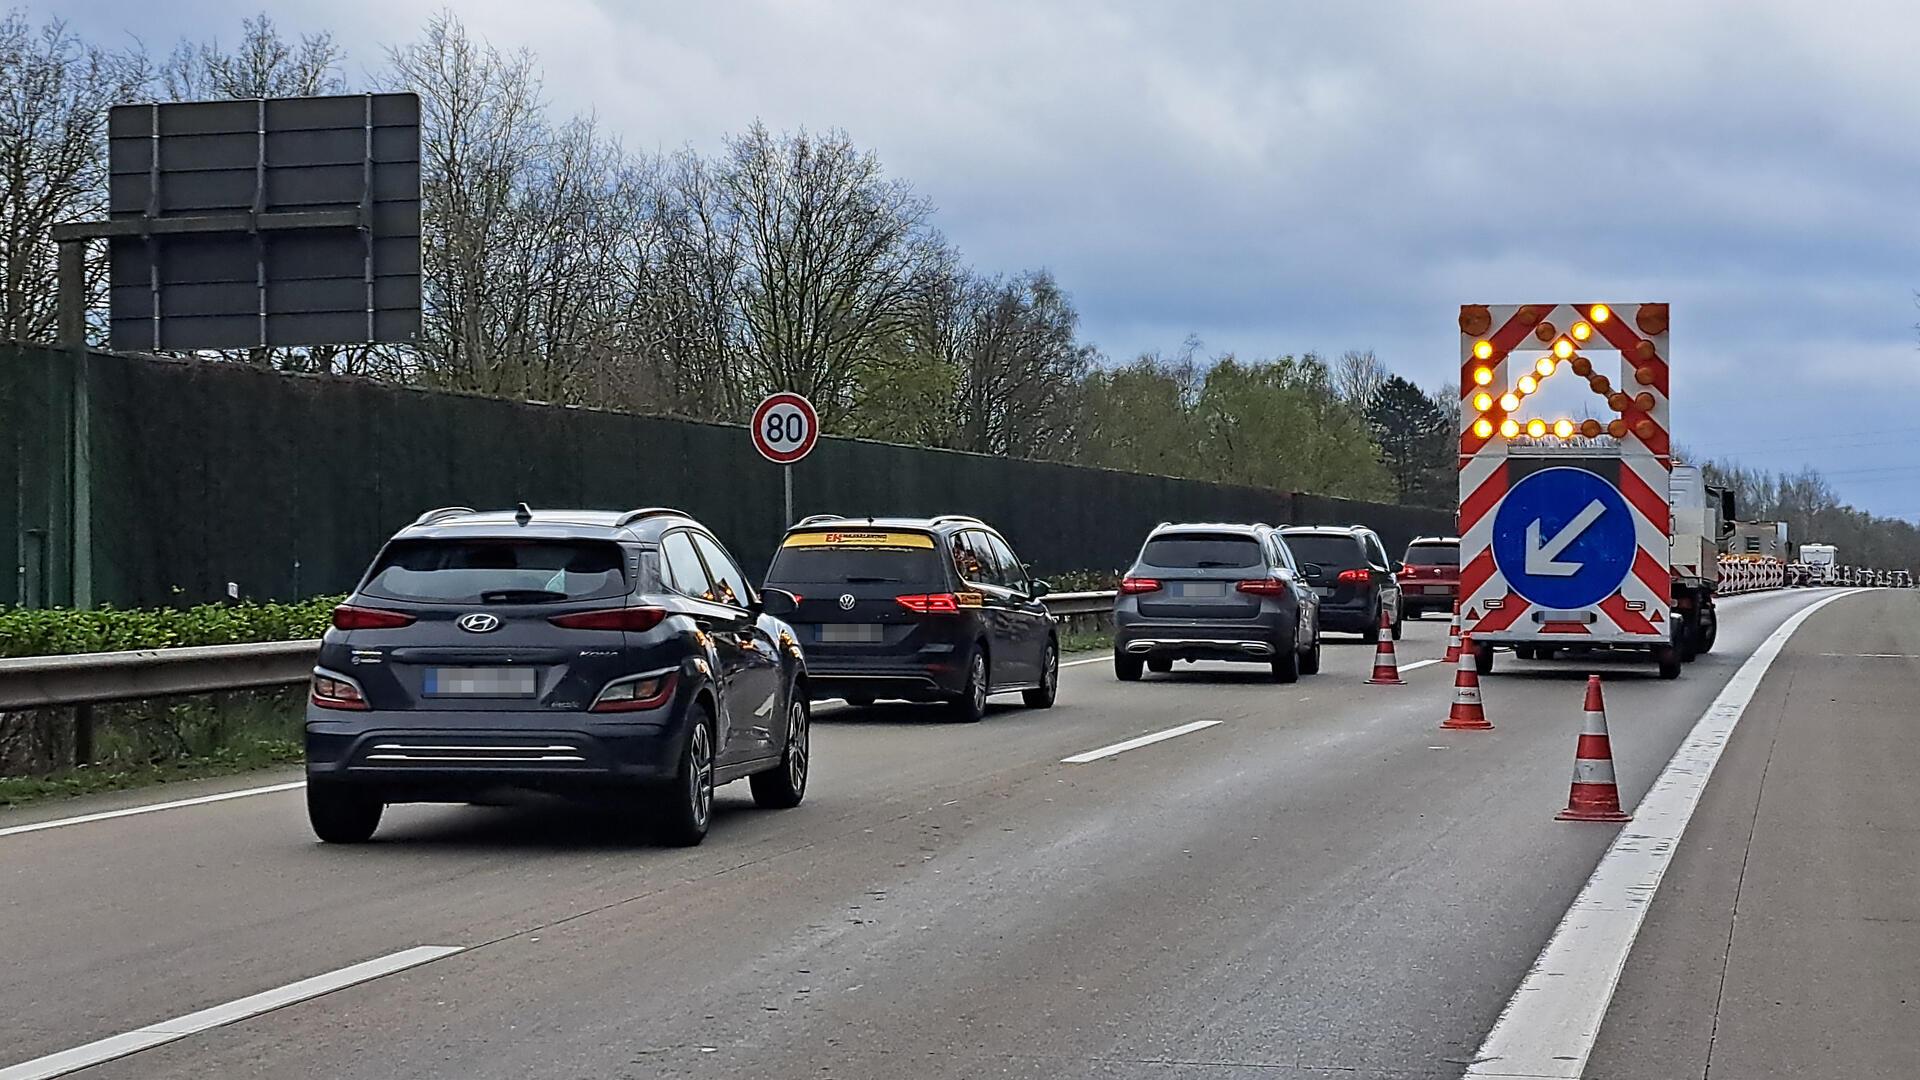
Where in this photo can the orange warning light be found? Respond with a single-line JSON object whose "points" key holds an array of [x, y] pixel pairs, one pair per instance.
{"points": [[1591, 428], [1563, 348], [1563, 428], [1617, 429], [1483, 428], [1599, 313], [1483, 349], [1509, 427], [1544, 366], [1582, 366], [1536, 427], [1645, 402], [1582, 331], [1644, 376], [1646, 429], [1482, 402], [1509, 402], [1528, 384], [1482, 376]]}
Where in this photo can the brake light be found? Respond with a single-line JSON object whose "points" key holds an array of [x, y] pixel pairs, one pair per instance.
{"points": [[632, 695], [348, 617], [333, 692], [1263, 587], [631, 619], [930, 603], [1134, 585], [1354, 577]]}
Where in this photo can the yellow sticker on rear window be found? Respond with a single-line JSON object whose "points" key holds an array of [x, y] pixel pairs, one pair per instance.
{"points": [[853, 538]]}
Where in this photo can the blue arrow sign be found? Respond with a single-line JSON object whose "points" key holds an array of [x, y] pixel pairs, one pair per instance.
{"points": [[1564, 538]]}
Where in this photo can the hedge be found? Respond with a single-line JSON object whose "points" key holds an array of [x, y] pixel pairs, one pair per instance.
{"points": [[50, 631]]}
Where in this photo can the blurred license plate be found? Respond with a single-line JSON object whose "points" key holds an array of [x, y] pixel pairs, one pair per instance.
{"points": [[844, 632], [1203, 588], [1436, 590], [1323, 590], [480, 682]]}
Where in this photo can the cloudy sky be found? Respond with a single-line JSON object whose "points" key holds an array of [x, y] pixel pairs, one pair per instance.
{"points": [[1277, 177]]}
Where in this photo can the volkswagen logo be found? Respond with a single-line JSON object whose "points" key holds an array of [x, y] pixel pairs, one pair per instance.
{"points": [[478, 622], [846, 601]]}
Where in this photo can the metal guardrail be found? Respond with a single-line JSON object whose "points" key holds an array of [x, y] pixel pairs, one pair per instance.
{"points": [[38, 682]]}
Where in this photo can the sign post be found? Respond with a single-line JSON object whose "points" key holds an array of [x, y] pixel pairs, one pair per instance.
{"points": [[785, 427]]}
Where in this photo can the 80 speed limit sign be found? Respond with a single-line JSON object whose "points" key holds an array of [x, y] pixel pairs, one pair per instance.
{"points": [[785, 427]]}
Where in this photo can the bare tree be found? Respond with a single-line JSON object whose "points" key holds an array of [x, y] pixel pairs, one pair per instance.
{"points": [[1357, 376], [54, 95], [263, 65]]}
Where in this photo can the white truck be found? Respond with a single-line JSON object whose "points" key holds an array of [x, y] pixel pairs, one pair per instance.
{"points": [[1702, 523], [1822, 562]]}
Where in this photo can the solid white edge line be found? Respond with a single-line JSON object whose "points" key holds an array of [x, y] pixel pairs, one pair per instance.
{"points": [[1418, 664], [149, 808], [1549, 1026], [166, 1031], [1123, 747]]}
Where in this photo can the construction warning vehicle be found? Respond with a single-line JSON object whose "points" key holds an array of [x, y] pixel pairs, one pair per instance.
{"points": [[1566, 532], [1821, 560], [1702, 526]]}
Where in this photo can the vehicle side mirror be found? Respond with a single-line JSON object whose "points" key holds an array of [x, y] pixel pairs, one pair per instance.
{"points": [[1399, 566], [778, 603], [1038, 589]]}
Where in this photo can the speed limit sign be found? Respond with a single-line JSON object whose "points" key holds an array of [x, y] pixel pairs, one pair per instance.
{"points": [[785, 427]]}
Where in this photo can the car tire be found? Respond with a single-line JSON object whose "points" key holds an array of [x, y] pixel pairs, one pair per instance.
{"points": [[1159, 666], [783, 787], [1041, 697], [1286, 666], [1371, 633], [1310, 660], [1127, 668], [342, 814], [682, 810], [1399, 623], [1668, 658], [1709, 631], [971, 706], [1483, 659], [1523, 652]]}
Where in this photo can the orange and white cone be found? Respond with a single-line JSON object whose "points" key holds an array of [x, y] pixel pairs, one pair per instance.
{"points": [[1386, 669], [1595, 795], [1467, 713], [1453, 639]]}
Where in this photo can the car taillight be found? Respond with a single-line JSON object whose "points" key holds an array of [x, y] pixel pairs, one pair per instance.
{"points": [[1354, 577], [333, 692], [348, 617], [631, 695], [1263, 587], [1134, 585], [633, 619], [930, 603]]}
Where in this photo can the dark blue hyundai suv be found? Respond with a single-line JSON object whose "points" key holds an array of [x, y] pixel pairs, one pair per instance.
{"points": [[577, 652]]}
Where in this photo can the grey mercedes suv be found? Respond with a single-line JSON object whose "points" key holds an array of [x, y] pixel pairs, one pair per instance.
{"points": [[1215, 592]]}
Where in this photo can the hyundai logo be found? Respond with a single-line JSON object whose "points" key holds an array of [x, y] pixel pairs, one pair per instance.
{"points": [[478, 622], [846, 601]]}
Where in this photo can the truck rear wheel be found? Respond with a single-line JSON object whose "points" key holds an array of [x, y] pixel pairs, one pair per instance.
{"points": [[1669, 658]]}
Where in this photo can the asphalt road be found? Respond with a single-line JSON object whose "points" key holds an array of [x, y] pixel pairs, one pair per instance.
{"points": [[1322, 883]]}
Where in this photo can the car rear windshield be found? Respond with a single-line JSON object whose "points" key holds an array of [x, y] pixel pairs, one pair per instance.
{"points": [[1433, 554], [1328, 552], [498, 571], [825, 558], [1202, 551]]}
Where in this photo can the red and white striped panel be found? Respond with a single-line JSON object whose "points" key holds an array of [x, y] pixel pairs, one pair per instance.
{"points": [[1520, 334]]}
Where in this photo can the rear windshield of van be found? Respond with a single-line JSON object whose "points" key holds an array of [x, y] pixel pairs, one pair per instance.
{"points": [[827, 558], [497, 571], [1433, 554], [1328, 552]]}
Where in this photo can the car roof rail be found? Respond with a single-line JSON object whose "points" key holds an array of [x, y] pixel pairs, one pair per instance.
{"points": [[815, 519], [939, 519], [442, 513], [644, 512]]}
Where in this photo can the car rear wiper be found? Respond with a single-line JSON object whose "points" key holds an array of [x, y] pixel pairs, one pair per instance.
{"points": [[520, 596], [1212, 564], [870, 580]]}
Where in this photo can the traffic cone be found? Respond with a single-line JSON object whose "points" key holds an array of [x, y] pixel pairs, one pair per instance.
{"points": [[1453, 639], [1467, 713], [1595, 796], [1386, 670]]}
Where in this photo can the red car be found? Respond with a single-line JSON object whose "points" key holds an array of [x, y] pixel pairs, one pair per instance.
{"points": [[1430, 576]]}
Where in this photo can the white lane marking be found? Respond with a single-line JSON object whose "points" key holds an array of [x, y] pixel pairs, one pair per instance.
{"points": [[149, 808], [1094, 660], [117, 1046], [1873, 655], [1418, 664], [1130, 744], [1549, 1026]]}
